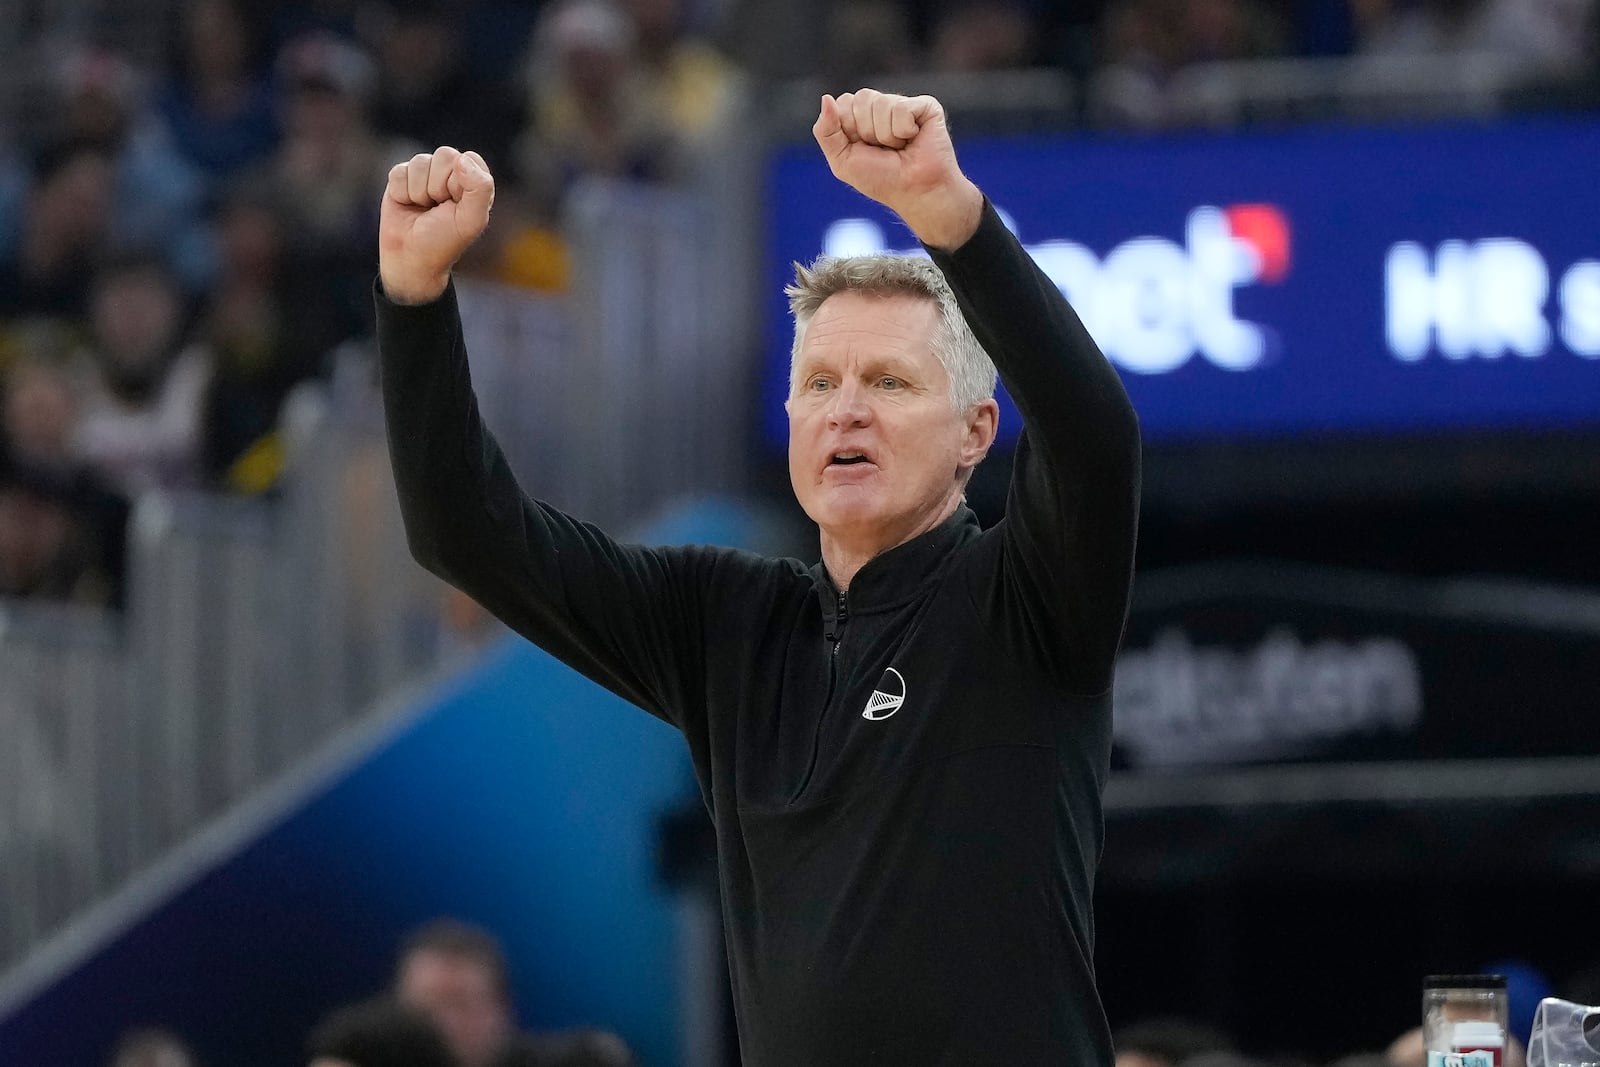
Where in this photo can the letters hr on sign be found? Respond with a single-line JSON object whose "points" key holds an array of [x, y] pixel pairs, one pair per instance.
{"points": [[1486, 298]]}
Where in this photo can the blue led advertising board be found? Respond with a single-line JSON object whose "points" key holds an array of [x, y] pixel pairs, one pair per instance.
{"points": [[1323, 281]]}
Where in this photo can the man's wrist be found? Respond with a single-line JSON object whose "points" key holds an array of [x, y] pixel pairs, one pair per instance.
{"points": [[409, 292], [947, 218]]}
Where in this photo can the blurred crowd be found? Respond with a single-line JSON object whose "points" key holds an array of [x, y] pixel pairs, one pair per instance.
{"points": [[182, 245], [187, 236], [449, 1005]]}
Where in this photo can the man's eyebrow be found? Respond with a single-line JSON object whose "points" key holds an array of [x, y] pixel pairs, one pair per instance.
{"points": [[900, 363], [897, 363]]}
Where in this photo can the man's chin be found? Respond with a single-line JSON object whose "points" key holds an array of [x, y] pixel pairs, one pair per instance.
{"points": [[844, 524]]}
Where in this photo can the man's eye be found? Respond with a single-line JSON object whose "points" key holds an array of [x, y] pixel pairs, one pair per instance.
{"points": [[817, 385], [887, 382]]}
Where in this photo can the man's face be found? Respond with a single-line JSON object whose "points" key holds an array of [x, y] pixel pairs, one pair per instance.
{"points": [[459, 994], [877, 454]]}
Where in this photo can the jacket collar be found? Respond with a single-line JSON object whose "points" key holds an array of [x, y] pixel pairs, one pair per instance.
{"points": [[891, 578]]}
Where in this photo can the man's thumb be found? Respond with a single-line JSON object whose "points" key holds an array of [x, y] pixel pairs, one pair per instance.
{"points": [[829, 130]]}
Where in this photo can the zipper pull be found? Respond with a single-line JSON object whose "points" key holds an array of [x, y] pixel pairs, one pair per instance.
{"points": [[837, 624]]}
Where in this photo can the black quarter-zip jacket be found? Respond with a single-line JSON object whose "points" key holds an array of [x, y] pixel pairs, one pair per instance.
{"points": [[905, 778]]}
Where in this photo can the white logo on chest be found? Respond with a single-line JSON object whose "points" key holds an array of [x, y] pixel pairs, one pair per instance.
{"points": [[887, 698]]}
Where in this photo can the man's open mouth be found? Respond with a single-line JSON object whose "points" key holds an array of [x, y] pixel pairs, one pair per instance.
{"points": [[847, 458]]}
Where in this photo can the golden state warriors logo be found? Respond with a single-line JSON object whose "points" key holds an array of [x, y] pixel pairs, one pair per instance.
{"points": [[887, 698]]}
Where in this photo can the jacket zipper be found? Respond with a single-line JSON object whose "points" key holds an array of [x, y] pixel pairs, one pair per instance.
{"points": [[835, 635]]}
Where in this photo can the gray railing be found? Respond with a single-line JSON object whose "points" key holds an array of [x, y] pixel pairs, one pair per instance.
{"points": [[253, 631], [65, 831], [256, 630]]}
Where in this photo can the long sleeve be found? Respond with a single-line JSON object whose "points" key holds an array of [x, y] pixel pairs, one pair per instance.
{"points": [[624, 615], [1072, 511]]}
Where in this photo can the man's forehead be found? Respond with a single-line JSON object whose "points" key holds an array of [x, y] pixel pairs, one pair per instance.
{"points": [[886, 323]]}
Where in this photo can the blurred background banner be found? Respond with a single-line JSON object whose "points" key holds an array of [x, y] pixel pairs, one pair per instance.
{"points": [[1318, 280], [1240, 664]]}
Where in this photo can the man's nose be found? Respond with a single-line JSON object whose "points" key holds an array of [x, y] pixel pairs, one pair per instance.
{"points": [[849, 406]]}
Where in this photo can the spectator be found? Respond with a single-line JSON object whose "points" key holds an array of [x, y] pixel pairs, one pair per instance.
{"points": [[38, 427], [378, 1034], [40, 413], [426, 91], [141, 415], [985, 35], [1154, 47], [692, 78], [1533, 38], [47, 549], [327, 165], [330, 157], [456, 974], [100, 99], [591, 113], [57, 233], [256, 348], [152, 1048], [218, 108], [867, 40], [1141, 54]]}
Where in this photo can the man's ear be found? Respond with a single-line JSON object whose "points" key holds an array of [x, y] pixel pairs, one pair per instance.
{"points": [[982, 423]]}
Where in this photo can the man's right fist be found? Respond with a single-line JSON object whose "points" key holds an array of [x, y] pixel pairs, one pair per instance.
{"points": [[436, 204]]}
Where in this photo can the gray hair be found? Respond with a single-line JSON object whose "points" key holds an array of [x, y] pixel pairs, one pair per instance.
{"points": [[972, 373]]}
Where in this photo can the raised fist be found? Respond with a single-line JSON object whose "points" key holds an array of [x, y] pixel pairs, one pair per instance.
{"points": [[897, 150], [435, 205]]}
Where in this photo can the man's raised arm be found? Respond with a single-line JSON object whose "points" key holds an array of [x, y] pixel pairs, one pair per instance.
{"points": [[434, 206], [1072, 514], [620, 614]]}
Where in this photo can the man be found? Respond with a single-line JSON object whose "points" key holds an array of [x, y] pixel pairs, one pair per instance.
{"points": [[455, 975], [902, 748]]}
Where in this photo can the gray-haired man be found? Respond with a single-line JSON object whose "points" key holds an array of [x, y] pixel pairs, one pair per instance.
{"points": [[903, 747]]}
